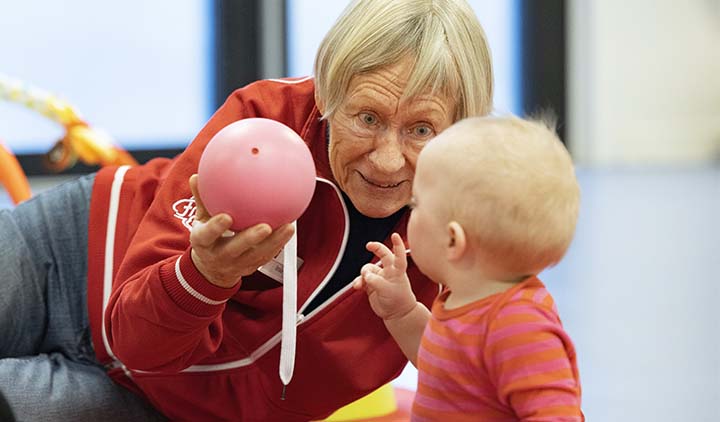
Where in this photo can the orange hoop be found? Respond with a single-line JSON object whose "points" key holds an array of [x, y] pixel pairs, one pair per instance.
{"points": [[12, 176]]}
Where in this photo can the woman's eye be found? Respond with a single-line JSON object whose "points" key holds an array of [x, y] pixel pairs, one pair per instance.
{"points": [[368, 119], [422, 131]]}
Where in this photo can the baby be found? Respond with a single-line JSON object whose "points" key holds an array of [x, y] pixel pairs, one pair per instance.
{"points": [[495, 202]]}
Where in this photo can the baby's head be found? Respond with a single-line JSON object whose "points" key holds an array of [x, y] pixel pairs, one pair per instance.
{"points": [[507, 184]]}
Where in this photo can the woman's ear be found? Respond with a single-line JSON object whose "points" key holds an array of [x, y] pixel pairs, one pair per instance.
{"points": [[457, 243]]}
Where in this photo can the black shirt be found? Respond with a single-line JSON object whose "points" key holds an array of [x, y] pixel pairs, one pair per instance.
{"points": [[362, 230]]}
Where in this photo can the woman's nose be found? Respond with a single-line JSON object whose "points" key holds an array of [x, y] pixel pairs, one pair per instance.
{"points": [[387, 156]]}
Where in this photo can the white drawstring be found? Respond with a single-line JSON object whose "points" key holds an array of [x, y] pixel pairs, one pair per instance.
{"points": [[289, 311]]}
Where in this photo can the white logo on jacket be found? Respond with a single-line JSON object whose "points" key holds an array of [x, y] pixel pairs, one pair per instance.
{"points": [[185, 210]]}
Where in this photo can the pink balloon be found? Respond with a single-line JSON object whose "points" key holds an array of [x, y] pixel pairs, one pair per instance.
{"points": [[258, 171]]}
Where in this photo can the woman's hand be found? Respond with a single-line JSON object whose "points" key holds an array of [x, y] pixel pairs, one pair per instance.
{"points": [[387, 285], [224, 259]]}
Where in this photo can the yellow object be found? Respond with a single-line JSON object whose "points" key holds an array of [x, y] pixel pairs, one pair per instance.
{"points": [[380, 402], [39, 101], [80, 140], [91, 146]]}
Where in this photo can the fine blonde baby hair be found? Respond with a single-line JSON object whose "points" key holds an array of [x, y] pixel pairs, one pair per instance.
{"points": [[511, 184]]}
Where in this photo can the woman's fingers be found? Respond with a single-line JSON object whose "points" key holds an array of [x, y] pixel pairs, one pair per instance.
{"points": [[223, 259], [201, 212], [205, 234], [247, 239], [262, 244]]}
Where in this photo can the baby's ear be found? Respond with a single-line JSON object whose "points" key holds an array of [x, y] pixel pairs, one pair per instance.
{"points": [[457, 241]]}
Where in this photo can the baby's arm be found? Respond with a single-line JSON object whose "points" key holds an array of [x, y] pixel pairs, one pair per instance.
{"points": [[531, 360], [408, 330], [391, 297]]}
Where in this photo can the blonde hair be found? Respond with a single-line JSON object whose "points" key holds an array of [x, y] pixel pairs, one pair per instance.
{"points": [[511, 184], [445, 39]]}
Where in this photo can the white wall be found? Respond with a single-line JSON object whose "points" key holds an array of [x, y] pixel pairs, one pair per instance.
{"points": [[644, 81], [140, 70]]}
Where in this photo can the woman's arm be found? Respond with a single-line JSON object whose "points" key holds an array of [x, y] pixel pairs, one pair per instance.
{"points": [[169, 294]]}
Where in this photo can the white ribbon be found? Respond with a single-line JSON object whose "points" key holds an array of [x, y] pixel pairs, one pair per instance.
{"points": [[289, 311]]}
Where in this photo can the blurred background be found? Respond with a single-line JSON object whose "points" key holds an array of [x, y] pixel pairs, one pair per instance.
{"points": [[636, 87]]}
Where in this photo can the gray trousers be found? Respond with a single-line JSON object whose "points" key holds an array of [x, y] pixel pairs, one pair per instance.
{"points": [[48, 370]]}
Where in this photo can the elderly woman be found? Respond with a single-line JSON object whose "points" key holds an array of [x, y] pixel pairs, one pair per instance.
{"points": [[122, 275]]}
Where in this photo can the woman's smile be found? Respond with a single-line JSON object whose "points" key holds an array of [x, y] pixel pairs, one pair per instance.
{"points": [[380, 183]]}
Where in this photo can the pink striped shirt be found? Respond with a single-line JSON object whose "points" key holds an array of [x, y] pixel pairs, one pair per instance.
{"points": [[503, 358]]}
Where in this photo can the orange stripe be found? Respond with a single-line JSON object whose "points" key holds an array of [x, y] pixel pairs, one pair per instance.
{"points": [[528, 294], [524, 360], [535, 380], [443, 395], [524, 338], [515, 319], [548, 302], [558, 411], [457, 417], [445, 353]]}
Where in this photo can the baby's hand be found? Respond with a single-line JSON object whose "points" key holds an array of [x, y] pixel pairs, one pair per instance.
{"points": [[387, 284]]}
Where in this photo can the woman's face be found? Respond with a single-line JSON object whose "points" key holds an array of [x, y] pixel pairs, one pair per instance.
{"points": [[375, 138]]}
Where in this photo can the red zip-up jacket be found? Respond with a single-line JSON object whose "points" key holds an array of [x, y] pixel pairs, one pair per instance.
{"points": [[199, 352]]}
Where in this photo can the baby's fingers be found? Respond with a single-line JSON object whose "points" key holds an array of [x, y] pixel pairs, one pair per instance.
{"points": [[370, 275], [399, 252], [372, 281], [369, 269], [358, 283], [386, 256]]}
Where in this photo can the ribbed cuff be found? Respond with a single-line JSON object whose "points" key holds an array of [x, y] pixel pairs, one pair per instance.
{"points": [[189, 289]]}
